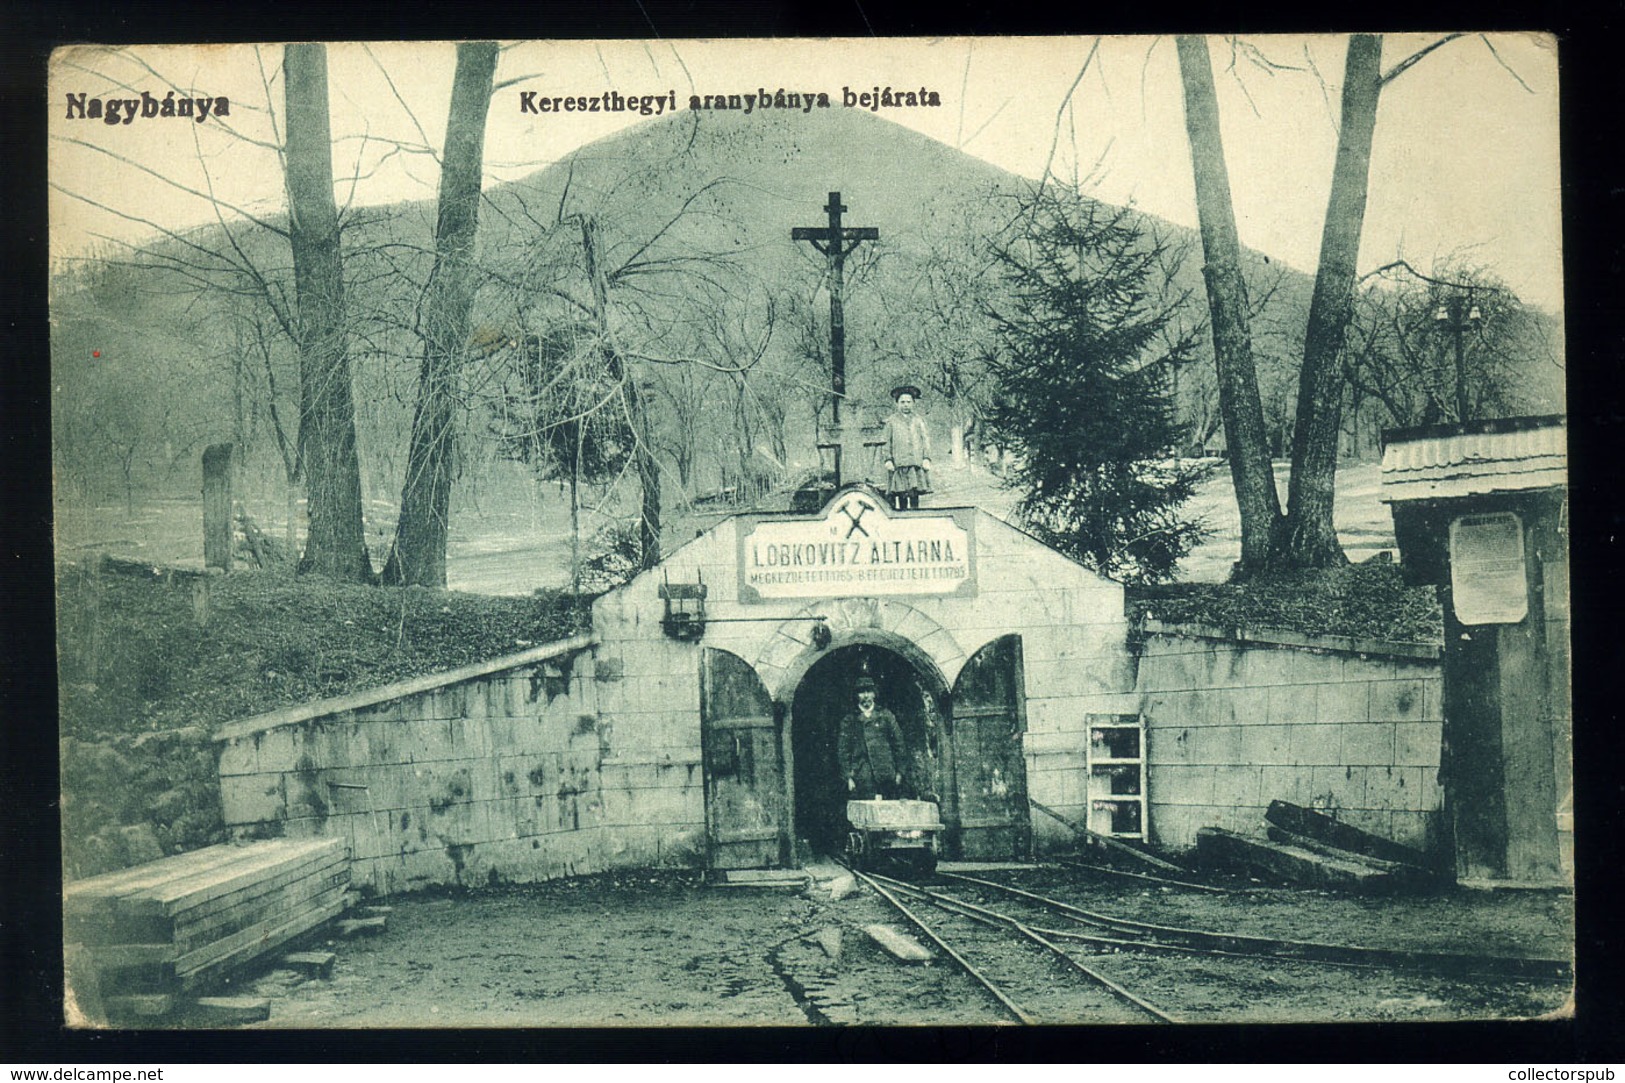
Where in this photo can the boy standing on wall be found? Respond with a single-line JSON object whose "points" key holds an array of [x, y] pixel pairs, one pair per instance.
{"points": [[908, 451]]}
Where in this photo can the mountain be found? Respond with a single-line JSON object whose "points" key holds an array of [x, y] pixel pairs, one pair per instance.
{"points": [[695, 209]]}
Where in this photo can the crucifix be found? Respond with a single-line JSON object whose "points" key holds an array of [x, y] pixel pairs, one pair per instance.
{"points": [[836, 242]]}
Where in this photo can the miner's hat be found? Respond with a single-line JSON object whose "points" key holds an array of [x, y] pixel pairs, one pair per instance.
{"points": [[866, 684], [905, 389]]}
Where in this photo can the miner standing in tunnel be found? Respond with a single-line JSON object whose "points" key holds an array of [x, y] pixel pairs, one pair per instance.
{"points": [[874, 757]]}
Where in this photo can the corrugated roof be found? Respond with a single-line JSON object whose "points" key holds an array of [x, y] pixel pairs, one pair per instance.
{"points": [[1477, 463]]}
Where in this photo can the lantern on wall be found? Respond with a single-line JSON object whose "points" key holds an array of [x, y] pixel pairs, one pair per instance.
{"points": [[684, 617]]}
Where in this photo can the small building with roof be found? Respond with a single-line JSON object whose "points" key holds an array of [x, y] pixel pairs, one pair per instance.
{"points": [[1481, 513]]}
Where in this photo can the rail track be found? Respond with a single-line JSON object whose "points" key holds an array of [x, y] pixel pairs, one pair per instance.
{"points": [[1212, 972], [996, 967]]}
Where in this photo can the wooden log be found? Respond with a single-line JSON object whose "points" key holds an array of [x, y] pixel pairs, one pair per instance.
{"points": [[185, 908], [144, 922], [140, 1006], [182, 894], [217, 506], [795, 879], [354, 927], [198, 907], [898, 944], [1400, 872], [1106, 841], [176, 883], [98, 931], [1313, 824], [1218, 848], [314, 964], [257, 894], [117, 956], [141, 877], [231, 1011], [190, 937], [123, 914]]}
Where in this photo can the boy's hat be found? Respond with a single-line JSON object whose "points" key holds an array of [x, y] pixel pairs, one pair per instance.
{"points": [[905, 389], [866, 684]]}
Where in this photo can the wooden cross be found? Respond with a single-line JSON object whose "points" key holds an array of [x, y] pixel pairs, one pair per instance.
{"points": [[836, 242]]}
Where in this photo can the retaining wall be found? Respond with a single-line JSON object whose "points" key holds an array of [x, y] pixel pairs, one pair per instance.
{"points": [[1236, 719], [499, 772]]}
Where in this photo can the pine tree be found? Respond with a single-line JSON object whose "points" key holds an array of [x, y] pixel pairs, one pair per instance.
{"points": [[1087, 345]]}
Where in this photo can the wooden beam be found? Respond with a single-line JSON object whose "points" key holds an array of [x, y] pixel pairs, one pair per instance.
{"points": [[1106, 840], [898, 944], [1322, 828], [1221, 849], [228, 1011], [217, 506]]}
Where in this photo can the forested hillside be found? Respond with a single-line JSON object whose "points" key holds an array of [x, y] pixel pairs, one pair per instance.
{"points": [[160, 352]]}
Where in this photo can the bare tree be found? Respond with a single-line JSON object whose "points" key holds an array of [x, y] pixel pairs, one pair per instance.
{"points": [[1305, 536], [336, 545], [1239, 404], [1453, 344], [419, 553]]}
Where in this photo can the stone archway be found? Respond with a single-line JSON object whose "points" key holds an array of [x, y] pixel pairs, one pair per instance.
{"points": [[887, 623], [823, 698], [889, 628]]}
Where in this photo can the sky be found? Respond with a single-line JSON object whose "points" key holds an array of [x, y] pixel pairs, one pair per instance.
{"points": [[1464, 162]]}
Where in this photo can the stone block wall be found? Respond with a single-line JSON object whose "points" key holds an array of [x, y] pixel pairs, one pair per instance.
{"points": [[1237, 720], [506, 775]]}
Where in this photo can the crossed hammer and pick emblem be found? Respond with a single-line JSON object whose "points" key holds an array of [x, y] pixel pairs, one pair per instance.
{"points": [[856, 521]]}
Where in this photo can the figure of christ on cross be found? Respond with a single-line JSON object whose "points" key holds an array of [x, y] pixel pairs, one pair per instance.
{"points": [[836, 242]]}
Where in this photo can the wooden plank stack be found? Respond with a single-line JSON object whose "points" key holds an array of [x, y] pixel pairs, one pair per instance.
{"points": [[177, 925]]}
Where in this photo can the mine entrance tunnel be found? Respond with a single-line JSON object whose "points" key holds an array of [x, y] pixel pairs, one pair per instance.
{"points": [[826, 695], [776, 790]]}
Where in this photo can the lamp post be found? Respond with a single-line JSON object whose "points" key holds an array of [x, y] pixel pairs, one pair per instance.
{"points": [[1456, 315]]}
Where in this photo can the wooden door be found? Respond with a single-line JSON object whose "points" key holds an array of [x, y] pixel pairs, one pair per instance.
{"points": [[746, 818], [989, 761]]}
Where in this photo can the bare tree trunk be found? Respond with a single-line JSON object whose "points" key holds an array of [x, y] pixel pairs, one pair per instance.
{"points": [[575, 517], [336, 545], [1307, 537], [291, 492], [648, 475], [419, 553], [637, 413], [1250, 471]]}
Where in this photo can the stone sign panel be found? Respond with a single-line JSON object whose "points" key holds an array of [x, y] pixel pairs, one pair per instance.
{"points": [[857, 546]]}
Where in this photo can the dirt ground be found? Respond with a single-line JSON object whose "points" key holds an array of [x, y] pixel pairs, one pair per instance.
{"points": [[662, 948]]}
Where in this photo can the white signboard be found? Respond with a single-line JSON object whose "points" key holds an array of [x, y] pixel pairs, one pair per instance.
{"points": [[857, 546], [1488, 582]]}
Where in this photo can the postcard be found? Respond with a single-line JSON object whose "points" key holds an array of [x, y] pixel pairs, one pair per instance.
{"points": [[822, 533]]}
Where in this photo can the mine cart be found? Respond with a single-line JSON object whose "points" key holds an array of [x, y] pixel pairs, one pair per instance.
{"points": [[902, 834]]}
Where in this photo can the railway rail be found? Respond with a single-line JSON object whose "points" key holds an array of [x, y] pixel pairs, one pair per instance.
{"points": [[1128, 933], [1064, 932], [889, 888]]}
